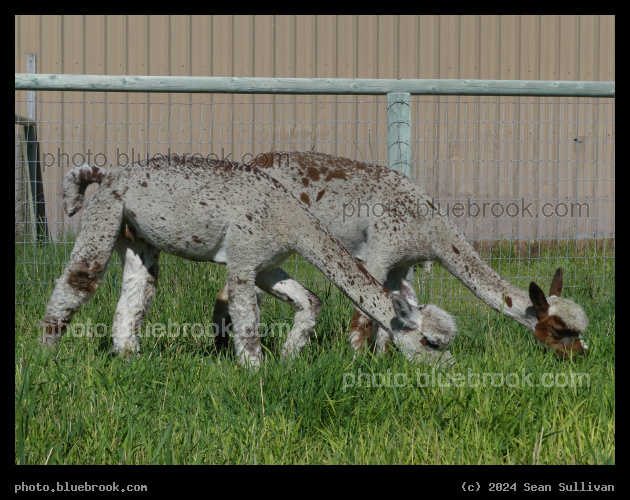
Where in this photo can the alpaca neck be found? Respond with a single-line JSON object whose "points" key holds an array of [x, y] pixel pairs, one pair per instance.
{"points": [[339, 266], [461, 260]]}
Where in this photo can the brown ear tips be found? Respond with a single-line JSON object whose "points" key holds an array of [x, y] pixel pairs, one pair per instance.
{"points": [[537, 296], [556, 283]]}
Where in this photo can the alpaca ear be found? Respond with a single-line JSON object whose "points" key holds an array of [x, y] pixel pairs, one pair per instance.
{"points": [[407, 292], [537, 296], [556, 283], [406, 311]]}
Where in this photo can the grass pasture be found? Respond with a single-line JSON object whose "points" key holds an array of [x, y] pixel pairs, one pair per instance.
{"points": [[506, 401]]}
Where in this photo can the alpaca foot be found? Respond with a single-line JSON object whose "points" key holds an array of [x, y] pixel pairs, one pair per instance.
{"points": [[127, 350], [51, 334]]}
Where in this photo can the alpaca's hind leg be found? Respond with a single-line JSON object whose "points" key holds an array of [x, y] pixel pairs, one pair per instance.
{"points": [[140, 274], [305, 303], [87, 265]]}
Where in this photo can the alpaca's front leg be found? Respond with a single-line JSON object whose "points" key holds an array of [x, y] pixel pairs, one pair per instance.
{"points": [[221, 320], [362, 326], [140, 274], [360, 333], [383, 339], [245, 313]]}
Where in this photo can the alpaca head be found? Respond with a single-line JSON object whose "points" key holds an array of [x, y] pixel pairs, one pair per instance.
{"points": [[560, 321], [436, 327]]}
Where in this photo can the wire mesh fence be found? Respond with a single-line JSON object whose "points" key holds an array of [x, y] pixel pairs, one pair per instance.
{"points": [[530, 181]]}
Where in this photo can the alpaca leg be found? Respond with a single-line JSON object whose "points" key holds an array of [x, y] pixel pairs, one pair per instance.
{"points": [[383, 338], [140, 274], [360, 333], [221, 320], [362, 326], [245, 314], [88, 262], [305, 303]]}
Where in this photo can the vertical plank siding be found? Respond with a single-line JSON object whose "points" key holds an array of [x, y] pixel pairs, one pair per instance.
{"points": [[479, 148]]}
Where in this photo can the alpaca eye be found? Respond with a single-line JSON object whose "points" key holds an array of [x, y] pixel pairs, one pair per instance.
{"points": [[431, 344], [564, 333]]}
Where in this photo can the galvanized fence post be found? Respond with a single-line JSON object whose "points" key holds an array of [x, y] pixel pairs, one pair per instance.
{"points": [[399, 136], [399, 132]]}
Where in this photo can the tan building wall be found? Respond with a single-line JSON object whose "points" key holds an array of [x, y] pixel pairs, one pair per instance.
{"points": [[499, 149], [479, 47]]}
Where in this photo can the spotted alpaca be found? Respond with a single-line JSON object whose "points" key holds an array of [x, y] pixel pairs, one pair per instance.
{"points": [[236, 215], [401, 237]]}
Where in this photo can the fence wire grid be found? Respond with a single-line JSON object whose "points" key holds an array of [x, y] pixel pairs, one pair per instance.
{"points": [[553, 154]]}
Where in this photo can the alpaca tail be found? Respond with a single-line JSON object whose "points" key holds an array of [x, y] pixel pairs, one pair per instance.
{"points": [[76, 182]]}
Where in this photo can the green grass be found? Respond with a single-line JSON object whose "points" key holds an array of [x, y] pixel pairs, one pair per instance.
{"points": [[182, 404]]}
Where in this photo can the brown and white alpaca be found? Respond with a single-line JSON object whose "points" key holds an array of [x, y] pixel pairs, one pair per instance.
{"points": [[406, 229], [233, 214]]}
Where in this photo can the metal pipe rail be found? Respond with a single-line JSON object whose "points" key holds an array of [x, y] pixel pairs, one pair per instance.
{"points": [[330, 86]]}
